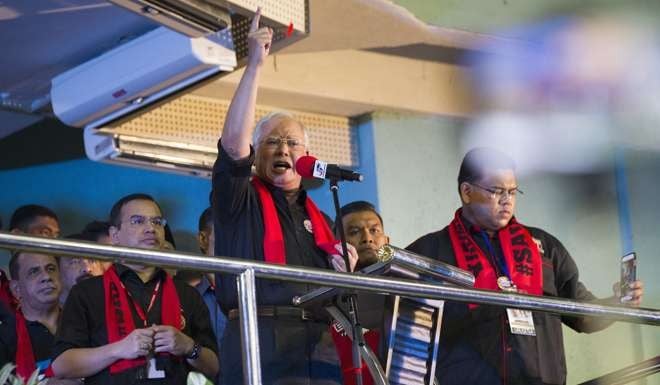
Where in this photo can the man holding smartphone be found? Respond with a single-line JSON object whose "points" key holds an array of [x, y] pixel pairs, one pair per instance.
{"points": [[486, 345]]}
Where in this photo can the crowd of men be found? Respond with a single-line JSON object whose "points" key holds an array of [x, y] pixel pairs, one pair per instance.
{"points": [[80, 320]]}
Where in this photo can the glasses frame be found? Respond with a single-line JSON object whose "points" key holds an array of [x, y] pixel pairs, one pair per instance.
{"points": [[499, 192], [159, 222], [290, 142]]}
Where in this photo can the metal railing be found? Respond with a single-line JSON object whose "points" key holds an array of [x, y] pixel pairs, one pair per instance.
{"points": [[247, 271]]}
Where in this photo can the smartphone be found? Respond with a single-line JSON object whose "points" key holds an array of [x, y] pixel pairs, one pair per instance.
{"points": [[628, 275]]}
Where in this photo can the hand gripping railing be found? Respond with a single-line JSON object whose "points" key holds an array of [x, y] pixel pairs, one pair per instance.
{"points": [[248, 270]]}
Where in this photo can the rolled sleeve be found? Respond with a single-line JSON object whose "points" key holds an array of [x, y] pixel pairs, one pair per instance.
{"points": [[230, 184], [200, 321]]}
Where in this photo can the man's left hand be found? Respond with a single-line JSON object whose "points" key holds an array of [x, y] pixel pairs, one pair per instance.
{"points": [[171, 340]]}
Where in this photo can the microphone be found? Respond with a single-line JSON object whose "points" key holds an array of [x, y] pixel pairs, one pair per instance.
{"points": [[310, 167]]}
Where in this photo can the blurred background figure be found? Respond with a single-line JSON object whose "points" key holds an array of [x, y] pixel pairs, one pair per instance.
{"points": [[76, 269], [97, 231], [572, 90]]}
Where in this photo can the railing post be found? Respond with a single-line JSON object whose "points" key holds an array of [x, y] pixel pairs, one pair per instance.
{"points": [[247, 305]]}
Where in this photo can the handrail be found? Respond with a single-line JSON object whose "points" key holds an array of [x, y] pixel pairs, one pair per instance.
{"points": [[628, 374], [328, 278]]}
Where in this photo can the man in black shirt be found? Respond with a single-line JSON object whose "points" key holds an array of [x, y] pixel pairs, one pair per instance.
{"points": [[27, 335], [486, 345], [268, 218], [135, 323]]}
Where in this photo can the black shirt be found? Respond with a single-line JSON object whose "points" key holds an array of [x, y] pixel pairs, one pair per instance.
{"points": [[41, 339], [239, 231], [292, 350], [83, 323], [476, 347]]}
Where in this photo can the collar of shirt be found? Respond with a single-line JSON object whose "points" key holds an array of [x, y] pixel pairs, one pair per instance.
{"points": [[278, 193], [124, 272], [204, 285]]}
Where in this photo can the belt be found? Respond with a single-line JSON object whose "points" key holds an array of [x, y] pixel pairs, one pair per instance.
{"points": [[278, 312]]}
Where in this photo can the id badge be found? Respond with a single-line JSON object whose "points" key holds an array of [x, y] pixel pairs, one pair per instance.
{"points": [[521, 322], [152, 372]]}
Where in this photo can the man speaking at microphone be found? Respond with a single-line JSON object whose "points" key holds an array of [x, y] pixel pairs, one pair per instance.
{"points": [[270, 218]]}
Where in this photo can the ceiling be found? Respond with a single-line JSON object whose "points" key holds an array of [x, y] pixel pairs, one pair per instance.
{"points": [[356, 50]]}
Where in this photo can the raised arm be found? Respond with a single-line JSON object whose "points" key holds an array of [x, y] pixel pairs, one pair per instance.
{"points": [[239, 122]]}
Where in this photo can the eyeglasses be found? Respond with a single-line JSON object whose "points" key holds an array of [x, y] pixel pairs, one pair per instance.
{"points": [[140, 220], [499, 192], [275, 142]]}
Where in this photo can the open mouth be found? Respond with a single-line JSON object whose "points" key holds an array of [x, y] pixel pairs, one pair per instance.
{"points": [[281, 165]]}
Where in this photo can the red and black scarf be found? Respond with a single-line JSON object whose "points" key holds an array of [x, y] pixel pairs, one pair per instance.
{"points": [[344, 347], [6, 297], [25, 362], [521, 255], [119, 317], [274, 251]]}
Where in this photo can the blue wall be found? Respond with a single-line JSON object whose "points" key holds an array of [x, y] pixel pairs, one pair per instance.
{"points": [[80, 191]]}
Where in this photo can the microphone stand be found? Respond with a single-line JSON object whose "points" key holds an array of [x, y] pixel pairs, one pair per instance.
{"points": [[350, 297]]}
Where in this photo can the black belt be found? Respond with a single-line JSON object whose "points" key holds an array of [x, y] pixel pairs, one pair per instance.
{"points": [[277, 311]]}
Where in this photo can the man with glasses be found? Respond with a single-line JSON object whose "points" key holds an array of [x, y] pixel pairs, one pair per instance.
{"points": [[135, 323], [483, 344], [269, 218]]}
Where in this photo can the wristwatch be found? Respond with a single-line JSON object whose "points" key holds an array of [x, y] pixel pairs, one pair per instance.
{"points": [[194, 353]]}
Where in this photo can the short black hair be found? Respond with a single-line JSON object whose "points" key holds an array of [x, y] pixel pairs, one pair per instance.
{"points": [[480, 161], [356, 207], [24, 215], [14, 266], [115, 212], [78, 237], [82, 237], [95, 230], [205, 220]]}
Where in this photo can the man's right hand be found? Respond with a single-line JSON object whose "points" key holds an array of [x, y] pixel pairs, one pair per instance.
{"points": [[137, 344], [259, 41]]}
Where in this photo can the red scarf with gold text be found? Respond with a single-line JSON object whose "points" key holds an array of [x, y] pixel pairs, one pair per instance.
{"points": [[521, 255]]}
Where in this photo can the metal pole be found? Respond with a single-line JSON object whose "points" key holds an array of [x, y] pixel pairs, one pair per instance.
{"points": [[328, 278], [247, 305]]}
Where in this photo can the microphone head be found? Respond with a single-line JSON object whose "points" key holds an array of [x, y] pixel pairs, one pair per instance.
{"points": [[305, 166]]}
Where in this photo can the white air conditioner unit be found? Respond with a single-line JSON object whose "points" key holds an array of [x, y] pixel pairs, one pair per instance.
{"points": [[194, 18], [181, 158], [137, 73]]}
